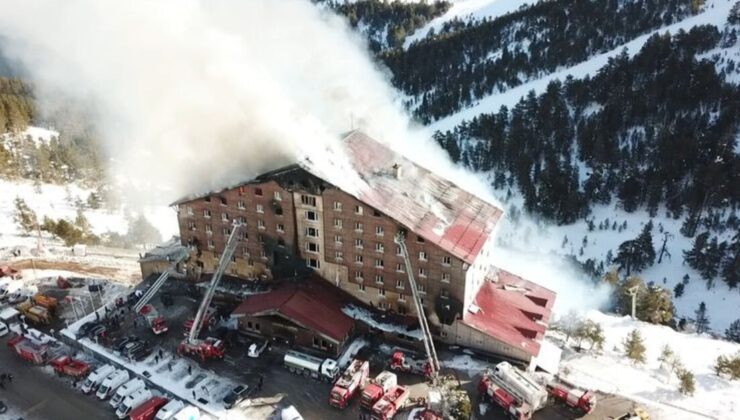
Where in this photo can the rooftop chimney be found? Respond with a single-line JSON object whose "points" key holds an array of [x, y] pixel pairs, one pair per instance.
{"points": [[397, 171]]}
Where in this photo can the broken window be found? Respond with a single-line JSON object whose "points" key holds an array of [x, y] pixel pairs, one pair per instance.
{"points": [[258, 191], [422, 272], [376, 213], [419, 239], [223, 201], [312, 232], [311, 215], [308, 200], [207, 199], [312, 247], [313, 263]]}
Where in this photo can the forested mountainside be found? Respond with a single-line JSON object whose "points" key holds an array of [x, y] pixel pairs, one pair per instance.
{"points": [[16, 105], [469, 59], [386, 24]]}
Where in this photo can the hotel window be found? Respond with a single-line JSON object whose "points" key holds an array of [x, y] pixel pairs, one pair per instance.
{"points": [[242, 220], [358, 243], [260, 208], [244, 235], [307, 200], [311, 215], [190, 211], [361, 287], [378, 263], [313, 263], [224, 217], [337, 206], [240, 205], [446, 277], [260, 224], [338, 255], [280, 228], [376, 213], [245, 251], [444, 293], [422, 288], [358, 226], [207, 213], [446, 260], [399, 284], [422, 256], [379, 230], [312, 247], [210, 244], [223, 201], [422, 272], [276, 196], [258, 191], [398, 251], [312, 232], [278, 211], [242, 190], [209, 229], [261, 239], [263, 254], [402, 297], [250, 262], [358, 275], [338, 223], [419, 239], [226, 231], [358, 210], [399, 267], [358, 259], [378, 279], [381, 292], [191, 225], [379, 247], [338, 239]]}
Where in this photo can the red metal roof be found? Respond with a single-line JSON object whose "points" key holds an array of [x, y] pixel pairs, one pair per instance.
{"points": [[512, 310], [430, 206], [306, 307]]}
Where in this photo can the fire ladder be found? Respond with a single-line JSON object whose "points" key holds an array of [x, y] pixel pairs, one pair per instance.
{"points": [[400, 240], [153, 289], [223, 262]]}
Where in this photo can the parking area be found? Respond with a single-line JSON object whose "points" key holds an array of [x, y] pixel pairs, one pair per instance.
{"points": [[280, 388]]}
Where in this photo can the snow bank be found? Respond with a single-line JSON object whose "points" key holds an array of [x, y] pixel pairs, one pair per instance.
{"points": [[368, 318], [351, 351], [611, 372], [465, 363]]}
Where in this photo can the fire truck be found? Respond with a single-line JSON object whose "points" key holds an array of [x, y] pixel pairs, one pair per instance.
{"points": [[392, 401], [209, 348], [156, 322], [348, 383], [516, 410], [402, 361], [65, 365], [208, 319], [514, 390], [29, 350], [572, 395], [376, 388]]}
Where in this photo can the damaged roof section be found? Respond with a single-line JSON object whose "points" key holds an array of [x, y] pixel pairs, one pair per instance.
{"points": [[512, 310], [171, 251]]}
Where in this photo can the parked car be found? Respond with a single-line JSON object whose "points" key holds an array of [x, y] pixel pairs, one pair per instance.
{"points": [[141, 353], [235, 396], [4, 330], [132, 347], [97, 330], [257, 348], [85, 328], [120, 344]]}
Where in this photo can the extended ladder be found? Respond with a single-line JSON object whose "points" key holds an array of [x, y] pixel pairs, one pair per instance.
{"points": [[152, 290], [223, 262]]}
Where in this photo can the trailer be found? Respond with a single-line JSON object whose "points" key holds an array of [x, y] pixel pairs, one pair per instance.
{"points": [[572, 395], [65, 365], [125, 390], [305, 364], [376, 388], [402, 361], [351, 380], [111, 384], [391, 403], [156, 322]]}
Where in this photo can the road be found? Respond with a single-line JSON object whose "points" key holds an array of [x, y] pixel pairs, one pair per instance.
{"points": [[35, 394]]}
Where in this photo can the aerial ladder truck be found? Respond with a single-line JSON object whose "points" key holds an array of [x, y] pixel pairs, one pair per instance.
{"points": [[209, 348]]}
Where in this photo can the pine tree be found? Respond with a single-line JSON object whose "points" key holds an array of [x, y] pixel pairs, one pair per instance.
{"points": [[732, 333], [728, 365], [686, 382], [666, 356], [634, 347], [655, 306], [678, 290], [24, 216], [701, 319], [591, 332]]}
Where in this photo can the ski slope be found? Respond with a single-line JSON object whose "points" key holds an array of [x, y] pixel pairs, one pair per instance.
{"points": [[714, 398], [715, 12], [477, 9]]}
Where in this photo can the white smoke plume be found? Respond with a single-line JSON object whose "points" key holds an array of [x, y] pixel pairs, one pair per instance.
{"points": [[195, 95]]}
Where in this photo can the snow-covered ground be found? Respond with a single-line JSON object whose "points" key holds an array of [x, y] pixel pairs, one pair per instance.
{"points": [[36, 134], [368, 318], [715, 12], [611, 372], [477, 9]]}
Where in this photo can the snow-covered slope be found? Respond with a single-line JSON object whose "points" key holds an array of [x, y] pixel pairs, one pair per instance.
{"points": [[36, 134], [715, 12], [715, 397], [477, 9]]}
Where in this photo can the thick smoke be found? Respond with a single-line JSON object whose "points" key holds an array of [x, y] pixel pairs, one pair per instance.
{"points": [[193, 95]]}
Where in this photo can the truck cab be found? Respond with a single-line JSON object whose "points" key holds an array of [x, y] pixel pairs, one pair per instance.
{"points": [[148, 409]]}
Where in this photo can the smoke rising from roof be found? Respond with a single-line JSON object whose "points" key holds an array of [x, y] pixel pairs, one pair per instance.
{"points": [[192, 95]]}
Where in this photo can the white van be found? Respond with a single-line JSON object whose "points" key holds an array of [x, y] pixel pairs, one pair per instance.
{"points": [[169, 410], [125, 390], [188, 413], [134, 400], [94, 379], [111, 383]]}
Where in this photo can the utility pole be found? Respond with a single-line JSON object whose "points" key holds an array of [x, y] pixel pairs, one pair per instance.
{"points": [[632, 291]]}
